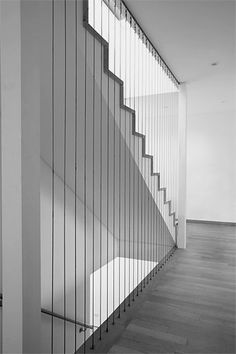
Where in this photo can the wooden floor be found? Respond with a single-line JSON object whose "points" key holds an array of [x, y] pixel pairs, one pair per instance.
{"points": [[190, 306]]}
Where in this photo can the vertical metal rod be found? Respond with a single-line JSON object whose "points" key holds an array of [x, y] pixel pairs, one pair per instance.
{"points": [[172, 153], [166, 170], [174, 147], [145, 163], [120, 166], [155, 224], [164, 155], [53, 182], [162, 162], [133, 140], [150, 152], [93, 179], [162, 166], [159, 154], [137, 165], [136, 215], [64, 177], [125, 147], [169, 149], [153, 153], [101, 174], [140, 110], [114, 171], [148, 171], [140, 153], [173, 150], [146, 179], [167, 154], [85, 185], [75, 181], [138, 115], [166, 158], [171, 161], [108, 166], [157, 159], [142, 161], [176, 158], [152, 211], [154, 163], [150, 144], [134, 157], [129, 153]]}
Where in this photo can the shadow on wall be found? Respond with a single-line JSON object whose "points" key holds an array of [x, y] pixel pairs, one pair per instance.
{"points": [[103, 243]]}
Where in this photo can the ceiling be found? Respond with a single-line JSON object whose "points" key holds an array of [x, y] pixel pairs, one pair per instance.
{"points": [[191, 35]]}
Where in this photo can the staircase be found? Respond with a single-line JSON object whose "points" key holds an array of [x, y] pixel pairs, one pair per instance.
{"points": [[129, 110]]}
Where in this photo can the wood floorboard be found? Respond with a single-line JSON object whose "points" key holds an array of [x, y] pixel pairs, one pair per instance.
{"points": [[190, 306]]}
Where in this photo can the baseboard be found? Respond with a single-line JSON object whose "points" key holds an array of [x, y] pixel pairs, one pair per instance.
{"points": [[227, 223]]}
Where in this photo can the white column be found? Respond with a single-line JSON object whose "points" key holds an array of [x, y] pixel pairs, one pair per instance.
{"points": [[20, 180], [11, 176], [181, 239]]}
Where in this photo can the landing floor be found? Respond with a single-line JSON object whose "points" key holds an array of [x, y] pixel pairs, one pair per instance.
{"points": [[189, 307]]}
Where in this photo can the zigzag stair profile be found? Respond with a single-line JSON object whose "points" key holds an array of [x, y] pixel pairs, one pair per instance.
{"points": [[128, 109]]}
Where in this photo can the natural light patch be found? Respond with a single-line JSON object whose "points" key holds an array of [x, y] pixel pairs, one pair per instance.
{"points": [[117, 279]]}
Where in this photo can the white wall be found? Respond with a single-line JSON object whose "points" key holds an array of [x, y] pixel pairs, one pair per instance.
{"points": [[211, 166]]}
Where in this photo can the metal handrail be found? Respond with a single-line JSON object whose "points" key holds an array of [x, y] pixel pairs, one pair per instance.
{"points": [[83, 326]]}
